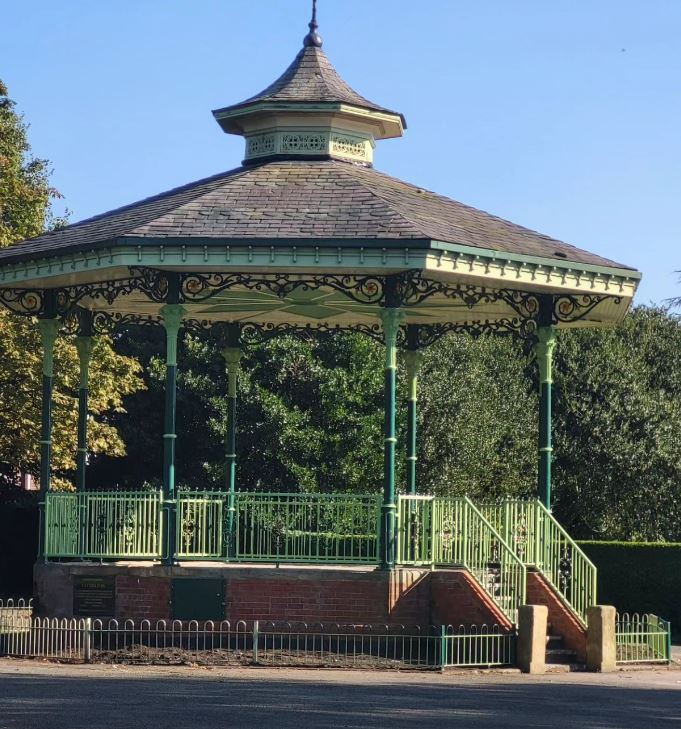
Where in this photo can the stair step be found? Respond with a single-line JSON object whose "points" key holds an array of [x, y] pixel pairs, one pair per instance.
{"points": [[562, 656], [555, 642]]}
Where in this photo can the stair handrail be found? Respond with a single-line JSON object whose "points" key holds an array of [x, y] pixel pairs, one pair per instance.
{"points": [[477, 555], [573, 575]]}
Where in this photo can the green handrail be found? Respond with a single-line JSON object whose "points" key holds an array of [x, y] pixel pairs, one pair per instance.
{"points": [[540, 541], [452, 531]]}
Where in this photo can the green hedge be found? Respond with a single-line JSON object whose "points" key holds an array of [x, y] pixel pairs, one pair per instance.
{"points": [[18, 549], [639, 577]]}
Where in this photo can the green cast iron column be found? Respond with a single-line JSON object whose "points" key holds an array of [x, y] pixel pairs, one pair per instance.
{"points": [[391, 318], [546, 341], [413, 359], [172, 321], [232, 356], [84, 346], [49, 329]]}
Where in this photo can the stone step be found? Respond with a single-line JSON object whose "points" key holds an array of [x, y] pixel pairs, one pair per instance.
{"points": [[562, 656]]}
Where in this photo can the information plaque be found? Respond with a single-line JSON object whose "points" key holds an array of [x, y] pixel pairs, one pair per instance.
{"points": [[94, 597]]}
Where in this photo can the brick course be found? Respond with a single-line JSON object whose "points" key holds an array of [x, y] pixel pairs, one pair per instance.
{"points": [[539, 592]]}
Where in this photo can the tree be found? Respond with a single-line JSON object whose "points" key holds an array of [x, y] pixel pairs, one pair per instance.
{"points": [[25, 210], [617, 423], [478, 424]]}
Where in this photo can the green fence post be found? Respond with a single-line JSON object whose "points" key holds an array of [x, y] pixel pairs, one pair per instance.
{"points": [[443, 647], [232, 356], [172, 321], [84, 346], [391, 318], [546, 341], [413, 358], [49, 329]]}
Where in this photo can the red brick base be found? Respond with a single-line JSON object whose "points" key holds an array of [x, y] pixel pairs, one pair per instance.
{"points": [[406, 596], [539, 592]]}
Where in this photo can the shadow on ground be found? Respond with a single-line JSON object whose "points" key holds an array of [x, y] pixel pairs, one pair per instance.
{"points": [[110, 702]]}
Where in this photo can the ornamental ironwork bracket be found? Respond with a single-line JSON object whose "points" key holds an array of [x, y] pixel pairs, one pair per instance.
{"points": [[573, 307]]}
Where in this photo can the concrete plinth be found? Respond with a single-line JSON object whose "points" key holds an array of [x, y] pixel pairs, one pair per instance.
{"points": [[532, 622], [601, 643]]}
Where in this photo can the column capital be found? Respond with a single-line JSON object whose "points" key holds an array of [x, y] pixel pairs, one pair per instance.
{"points": [[49, 330], [172, 321], [543, 348], [413, 359], [172, 315], [232, 356], [391, 320]]}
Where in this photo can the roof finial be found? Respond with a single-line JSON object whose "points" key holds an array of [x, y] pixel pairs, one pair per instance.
{"points": [[313, 38]]}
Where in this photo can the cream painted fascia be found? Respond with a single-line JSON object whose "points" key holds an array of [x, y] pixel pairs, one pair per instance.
{"points": [[531, 272], [476, 266], [239, 121]]}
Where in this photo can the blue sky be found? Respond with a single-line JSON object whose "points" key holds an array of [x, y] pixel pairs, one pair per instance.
{"points": [[561, 115]]}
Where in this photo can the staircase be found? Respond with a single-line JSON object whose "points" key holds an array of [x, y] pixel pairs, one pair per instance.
{"points": [[498, 543], [560, 658]]}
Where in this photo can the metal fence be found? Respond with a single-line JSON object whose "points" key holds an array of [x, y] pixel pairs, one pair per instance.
{"points": [[643, 638], [452, 531], [104, 525], [333, 528], [268, 527], [256, 643], [538, 539]]}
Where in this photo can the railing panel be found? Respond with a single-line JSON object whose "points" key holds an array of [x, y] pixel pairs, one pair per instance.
{"points": [[414, 530], [642, 638], [123, 525], [451, 531], [538, 539], [478, 646], [200, 525], [332, 528], [64, 514]]}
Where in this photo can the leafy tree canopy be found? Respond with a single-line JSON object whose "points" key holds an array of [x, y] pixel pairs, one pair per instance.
{"points": [[25, 211]]}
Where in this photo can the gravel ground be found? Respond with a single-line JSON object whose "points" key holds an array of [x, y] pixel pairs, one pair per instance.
{"points": [[48, 696]]}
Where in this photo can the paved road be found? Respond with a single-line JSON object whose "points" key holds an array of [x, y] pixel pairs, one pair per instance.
{"points": [[44, 696]]}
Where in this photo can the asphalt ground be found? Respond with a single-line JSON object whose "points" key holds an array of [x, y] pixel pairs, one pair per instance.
{"points": [[41, 695]]}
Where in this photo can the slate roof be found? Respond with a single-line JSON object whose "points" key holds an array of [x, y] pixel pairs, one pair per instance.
{"points": [[310, 79], [323, 200]]}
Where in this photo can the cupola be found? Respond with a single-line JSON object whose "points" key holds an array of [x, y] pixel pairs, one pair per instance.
{"points": [[309, 112]]}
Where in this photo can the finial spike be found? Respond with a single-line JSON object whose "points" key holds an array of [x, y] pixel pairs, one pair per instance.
{"points": [[313, 38]]}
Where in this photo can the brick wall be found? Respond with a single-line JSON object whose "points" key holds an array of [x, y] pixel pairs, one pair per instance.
{"points": [[406, 596], [456, 599], [142, 597], [563, 622]]}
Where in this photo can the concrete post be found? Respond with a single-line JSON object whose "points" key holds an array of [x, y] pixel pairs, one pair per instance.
{"points": [[601, 644], [532, 622]]}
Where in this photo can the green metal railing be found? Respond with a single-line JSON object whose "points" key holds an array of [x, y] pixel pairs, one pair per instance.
{"points": [[451, 531], [333, 528], [414, 530], [540, 541], [477, 646], [643, 638], [103, 525], [201, 525]]}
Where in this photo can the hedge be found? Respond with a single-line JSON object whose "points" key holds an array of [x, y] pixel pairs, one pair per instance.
{"points": [[639, 577], [18, 549]]}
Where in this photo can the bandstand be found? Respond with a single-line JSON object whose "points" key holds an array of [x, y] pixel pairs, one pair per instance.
{"points": [[307, 237]]}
